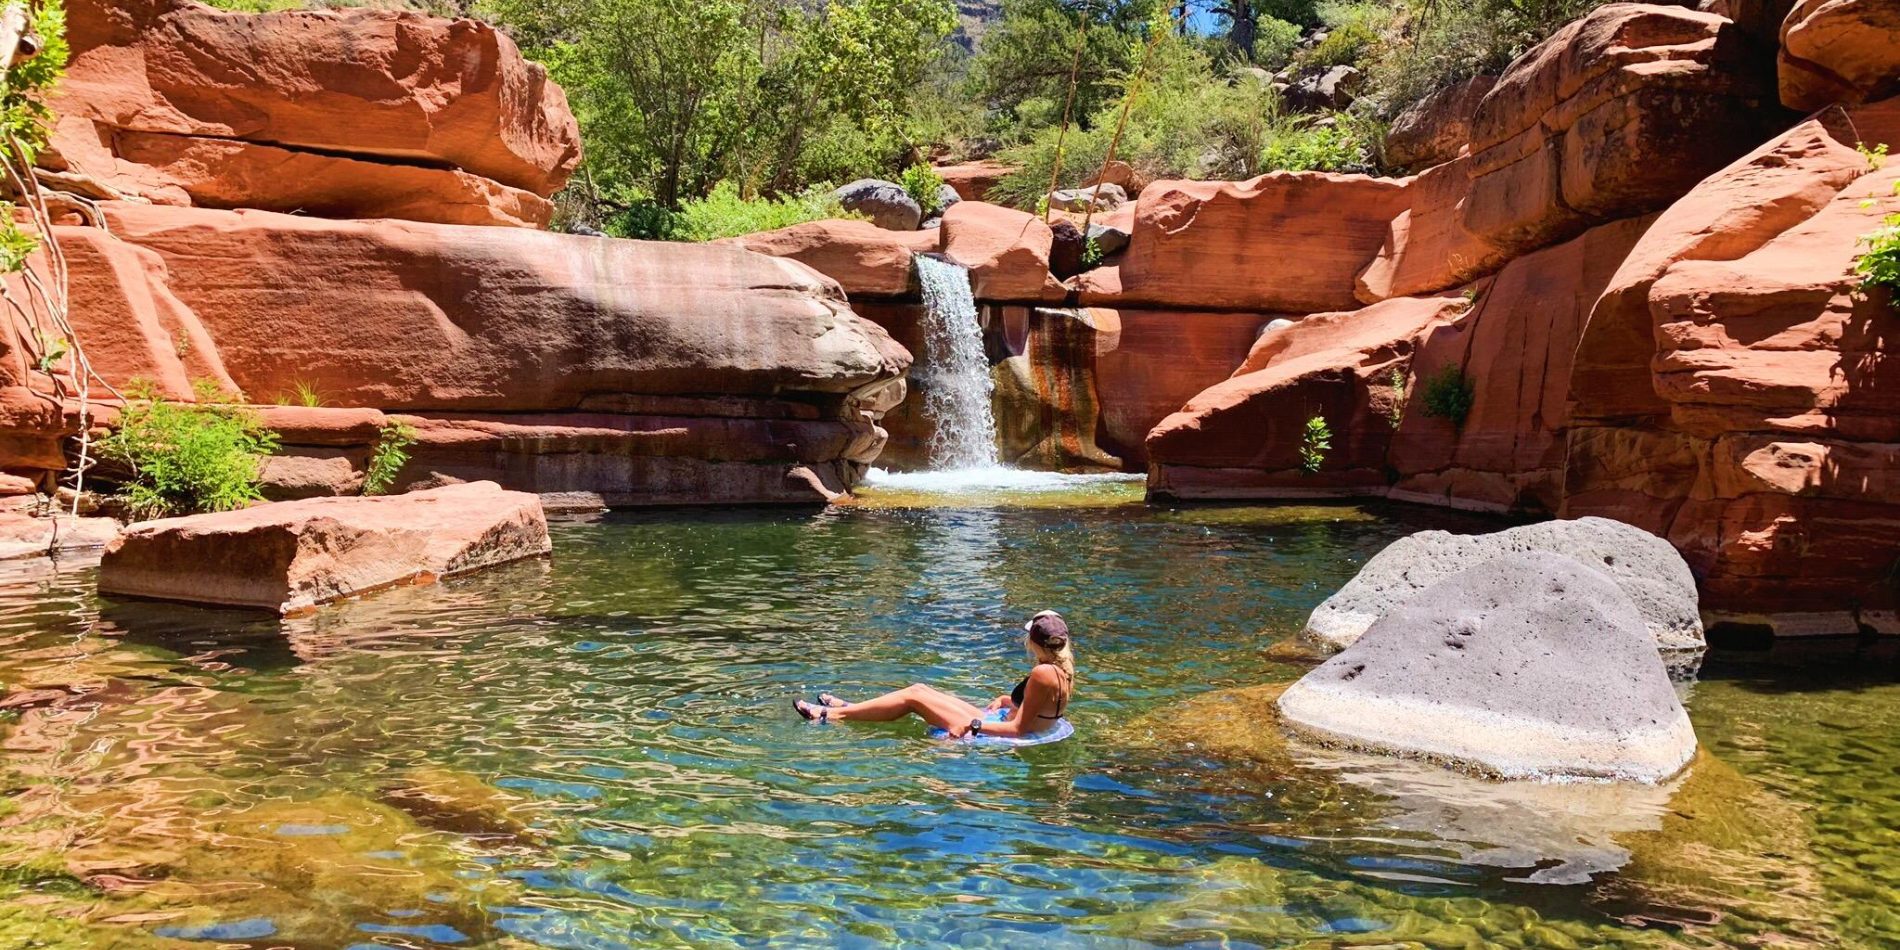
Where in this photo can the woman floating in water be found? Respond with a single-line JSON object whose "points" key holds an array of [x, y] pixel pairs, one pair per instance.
{"points": [[1035, 705]]}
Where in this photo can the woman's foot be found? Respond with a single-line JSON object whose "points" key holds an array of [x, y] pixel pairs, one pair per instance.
{"points": [[826, 699], [818, 714]]}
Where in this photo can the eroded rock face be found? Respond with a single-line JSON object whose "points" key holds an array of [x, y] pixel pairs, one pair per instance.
{"points": [[1435, 129], [866, 260], [1614, 116], [355, 113], [1845, 51], [1732, 391], [1649, 572], [1241, 438], [1289, 242], [293, 556], [633, 373], [1007, 252], [446, 318], [1529, 665]]}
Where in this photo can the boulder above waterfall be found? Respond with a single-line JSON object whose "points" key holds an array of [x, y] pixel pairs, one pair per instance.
{"points": [[1646, 568], [291, 556], [1530, 665], [886, 203]]}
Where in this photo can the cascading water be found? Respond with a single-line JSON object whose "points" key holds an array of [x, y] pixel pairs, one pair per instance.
{"points": [[955, 374]]}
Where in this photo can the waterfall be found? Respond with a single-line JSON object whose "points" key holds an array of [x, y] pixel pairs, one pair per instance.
{"points": [[954, 374]]}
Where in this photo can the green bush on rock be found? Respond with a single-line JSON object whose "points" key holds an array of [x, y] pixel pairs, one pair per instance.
{"points": [[1314, 444], [1879, 265], [388, 458], [1448, 394], [924, 186], [184, 458]]}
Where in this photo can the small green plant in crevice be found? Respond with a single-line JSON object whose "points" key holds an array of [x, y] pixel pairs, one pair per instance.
{"points": [[388, 458], [1471, 297], [52, 350], [307, 395], [172, 458], [1314, 443], [1091, 253], [1448, 394], [1876, 155], [1879, 265], [1395, 413], [924, 186]]}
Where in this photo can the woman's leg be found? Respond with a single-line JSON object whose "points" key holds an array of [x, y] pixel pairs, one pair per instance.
{"points": [[937, 707]]}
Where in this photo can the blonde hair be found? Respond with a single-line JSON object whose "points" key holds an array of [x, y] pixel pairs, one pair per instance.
{"points": [[1061, 653]]}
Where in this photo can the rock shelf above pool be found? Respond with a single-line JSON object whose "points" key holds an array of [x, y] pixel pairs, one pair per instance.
{"points": [[1531, 665], [294, 556]]}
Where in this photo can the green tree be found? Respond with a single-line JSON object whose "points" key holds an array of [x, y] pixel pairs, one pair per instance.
{"points": [[675, 97], [1021, 70]]}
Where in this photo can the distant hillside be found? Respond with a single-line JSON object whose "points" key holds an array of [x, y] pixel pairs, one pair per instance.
{"points": [[975, 16]]}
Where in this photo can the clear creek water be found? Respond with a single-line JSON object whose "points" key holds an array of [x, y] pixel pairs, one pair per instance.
{"points": [[598, 751]]}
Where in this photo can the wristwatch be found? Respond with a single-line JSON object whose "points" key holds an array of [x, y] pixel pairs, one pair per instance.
{"points": [[976, 727]]}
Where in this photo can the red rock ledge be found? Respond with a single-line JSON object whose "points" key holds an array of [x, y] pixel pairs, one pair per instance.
{"points": [[291, 557]]}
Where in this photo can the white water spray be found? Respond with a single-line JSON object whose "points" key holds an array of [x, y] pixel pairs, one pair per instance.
{"points": [[954, 373]]}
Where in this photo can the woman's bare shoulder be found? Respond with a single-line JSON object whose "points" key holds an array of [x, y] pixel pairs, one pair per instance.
{"points": [[1046, 674]]}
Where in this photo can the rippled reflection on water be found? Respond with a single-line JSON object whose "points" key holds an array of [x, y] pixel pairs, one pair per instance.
{"points": [[598, 751]]}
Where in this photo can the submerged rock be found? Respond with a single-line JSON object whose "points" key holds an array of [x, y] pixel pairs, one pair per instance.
{"points": [[293, 556], [1530, 665], [1646, 568]]}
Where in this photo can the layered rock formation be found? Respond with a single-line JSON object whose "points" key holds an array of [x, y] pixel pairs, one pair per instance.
{"points": [[612, 372], [1724, 391], [351, 114], [1732, 394]]}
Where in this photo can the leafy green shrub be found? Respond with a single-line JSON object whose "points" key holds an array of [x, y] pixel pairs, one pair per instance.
{"points": [[1314, 444], [1879, 265], [388, 458], [1343, 46], [724, 214], [1185, 123], [1274, 43], [1448, 395], [181, 458], [924, 186], [24, 116]]}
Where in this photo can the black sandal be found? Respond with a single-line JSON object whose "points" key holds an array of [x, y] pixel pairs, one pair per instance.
{"points": [[823, 717]]}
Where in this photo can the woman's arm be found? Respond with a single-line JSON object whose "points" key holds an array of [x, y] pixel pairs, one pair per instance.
{"points": [[1000, 702], [1042, 694]]}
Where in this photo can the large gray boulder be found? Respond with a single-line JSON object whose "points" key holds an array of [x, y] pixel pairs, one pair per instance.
{"points": [[886, 203], [1531, 665], [1646, 567]]}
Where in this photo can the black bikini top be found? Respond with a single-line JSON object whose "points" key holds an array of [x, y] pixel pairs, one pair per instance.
{"points": [[1016, 698]]}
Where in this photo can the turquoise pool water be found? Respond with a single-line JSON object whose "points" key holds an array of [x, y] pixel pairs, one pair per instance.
{"points": [[598, 750]]}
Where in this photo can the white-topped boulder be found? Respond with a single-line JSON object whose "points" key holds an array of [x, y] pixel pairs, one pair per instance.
{"points": [[1646, 568], [1531, 665]]}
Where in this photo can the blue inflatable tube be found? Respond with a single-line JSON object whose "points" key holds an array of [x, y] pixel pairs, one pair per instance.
{"points": [[1056, 733]]}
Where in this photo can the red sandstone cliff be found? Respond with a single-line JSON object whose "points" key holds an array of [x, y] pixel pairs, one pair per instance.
{"points": [[622, 372]]}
